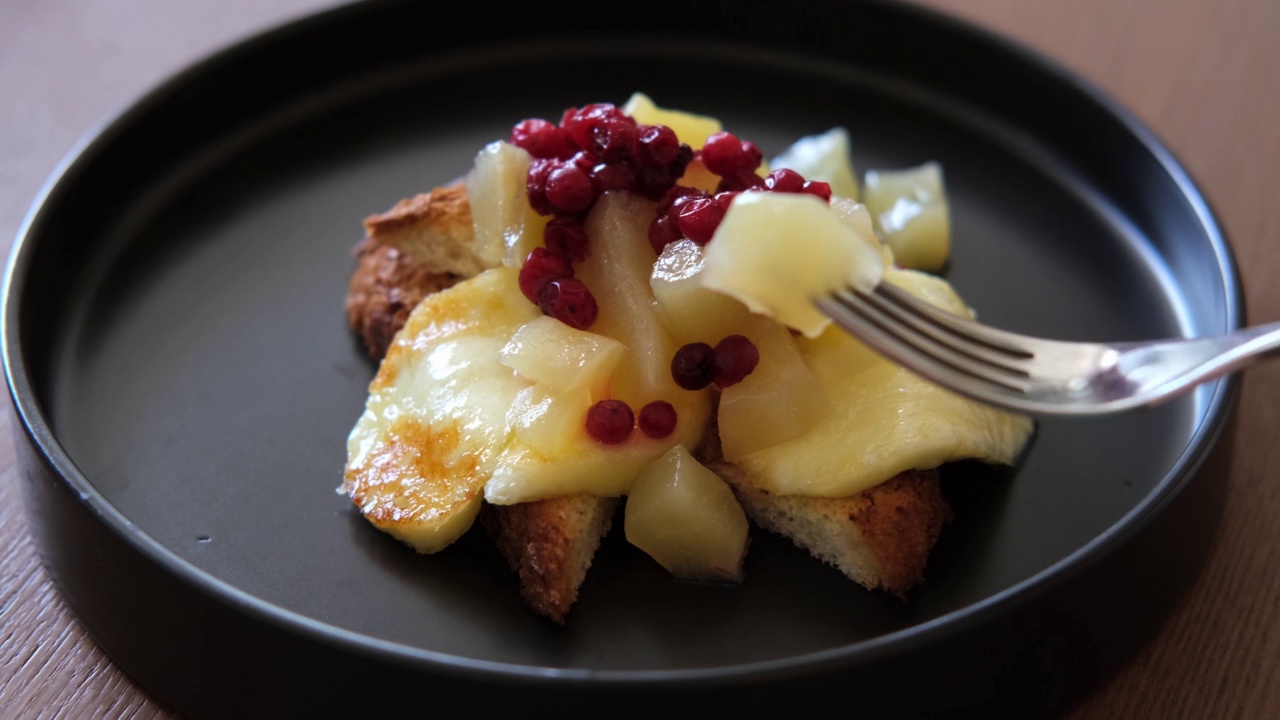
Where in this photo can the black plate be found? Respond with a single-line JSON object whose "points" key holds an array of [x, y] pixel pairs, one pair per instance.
{"points": [[177, 352]]}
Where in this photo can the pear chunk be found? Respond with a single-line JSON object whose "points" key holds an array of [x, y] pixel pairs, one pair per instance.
{"points": [[685, 517], [823, 157], [911, 211], [564, 359], [693, 130], [779, 401], [692, 312], [778, 252], [506, 228]]}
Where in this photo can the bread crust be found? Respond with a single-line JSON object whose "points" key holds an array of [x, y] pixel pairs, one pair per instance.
{"points": [[386, 286], [550, 545]]}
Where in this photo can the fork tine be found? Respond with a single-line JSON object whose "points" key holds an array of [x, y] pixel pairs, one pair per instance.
{"points": [[955, 333], [999, 341], [918, 351]]}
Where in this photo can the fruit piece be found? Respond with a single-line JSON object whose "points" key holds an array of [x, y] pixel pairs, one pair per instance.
{"points": [[564, 359], [687, 519], [910, 210], [610, 421], [506, 229], [698, 176], [620, 264], [541, 267], [692, 130], [823, 158], [434, 424], [698, 219], [690, 311], [693, 367], [884, 419], [546, 419], [734, 358], [542, 139], [570, 189], [566, 236], [658, 419], [777, 252], [727, 156], [780, 400], [569, 301]]}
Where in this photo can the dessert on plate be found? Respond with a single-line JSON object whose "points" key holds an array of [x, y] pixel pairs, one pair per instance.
{"points": [[619, 306]]}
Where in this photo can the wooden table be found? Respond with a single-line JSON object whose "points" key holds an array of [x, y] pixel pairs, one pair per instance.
{"points": [[1205, 75]]}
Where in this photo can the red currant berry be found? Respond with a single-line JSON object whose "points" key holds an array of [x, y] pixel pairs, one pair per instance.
{"points": [[656, 145], [819, 188], [784, 180], [734, 358], [570, 302], [610, 421], [657, 419], [663, 231], [693, 366], [740, 182], [699, 219], [570, 189], [615, 176], [536, 185], [542, 139], [724, 154], [541, 267], [566, 236]]}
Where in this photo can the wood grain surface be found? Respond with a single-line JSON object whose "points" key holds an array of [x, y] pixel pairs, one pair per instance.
{"points": [[1205, 75]]}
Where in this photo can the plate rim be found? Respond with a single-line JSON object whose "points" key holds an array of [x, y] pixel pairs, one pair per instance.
{"points": [[1217, 408]]}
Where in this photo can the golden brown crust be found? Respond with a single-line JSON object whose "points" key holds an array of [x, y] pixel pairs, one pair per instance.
{"points": [[900, 521], [385, 287], [880, 538], [550, 544], [444, 210]]}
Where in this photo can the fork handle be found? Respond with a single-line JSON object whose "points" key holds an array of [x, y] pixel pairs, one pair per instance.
{"points": [[1196, 360]]}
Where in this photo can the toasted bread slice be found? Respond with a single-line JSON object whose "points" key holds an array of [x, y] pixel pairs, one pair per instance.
{"points": [[879, 538], [424, 245], [550, 545]]}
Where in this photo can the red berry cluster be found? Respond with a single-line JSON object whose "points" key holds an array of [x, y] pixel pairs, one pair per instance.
{"points": [[611, 421], [687, 212], [594, 149], [697, 365]]}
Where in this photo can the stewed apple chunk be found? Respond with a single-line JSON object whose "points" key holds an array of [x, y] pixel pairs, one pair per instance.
{"points": [[506, 228], [779, 401], [823, 157], [692, 130], [564, 359], [910, 209], [778, 252], [692, 312], [686, 518]]}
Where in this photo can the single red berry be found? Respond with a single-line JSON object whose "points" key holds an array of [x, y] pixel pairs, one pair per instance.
{"points": [[656, 145], [584, 160], [541, 267], [784, 180], [615, 137], [566, 236], [662, 232], [610, 421], [699, 219], [614, 176], [600, 127], [725, 155], [570, 302], [819, 188], [536, 185], [570, 189], [724, 199], [657, 419], [693, 366], [734, 358], [542, 139]]}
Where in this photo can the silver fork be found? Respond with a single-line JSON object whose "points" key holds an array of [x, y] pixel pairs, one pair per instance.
{"points": [[1043, 377]]}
